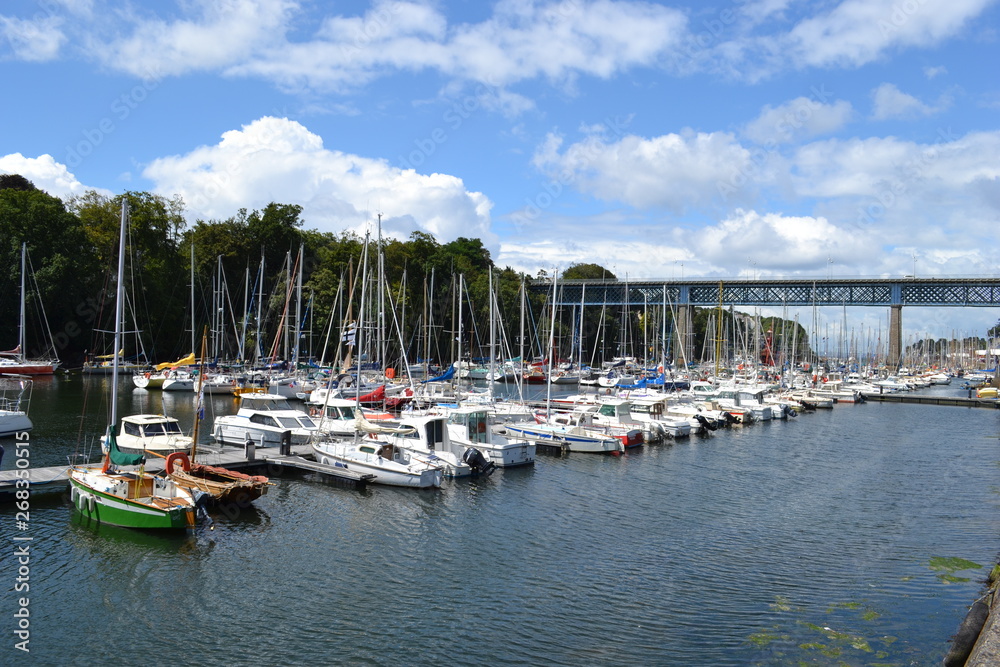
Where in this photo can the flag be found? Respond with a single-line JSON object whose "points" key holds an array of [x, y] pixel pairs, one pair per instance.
{"points": [[348, 336], [201, 402]]}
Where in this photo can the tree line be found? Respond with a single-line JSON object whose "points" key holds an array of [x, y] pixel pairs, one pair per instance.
{"points": [[432, 300]]}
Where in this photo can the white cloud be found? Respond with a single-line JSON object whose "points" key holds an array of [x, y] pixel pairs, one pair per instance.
{"points": [[932, 72], [217, 36], [36, 40], [890, 102], [46, 174], [522, 40], [674, 171], [856, 32], [784, 244], [797, 119], [275, 159]]}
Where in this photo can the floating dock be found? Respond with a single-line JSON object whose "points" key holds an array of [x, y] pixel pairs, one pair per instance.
{"points": [[959, 401], [55, 479]]}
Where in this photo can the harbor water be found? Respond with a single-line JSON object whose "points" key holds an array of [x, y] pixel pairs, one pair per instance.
{"points": [[858, 535]]}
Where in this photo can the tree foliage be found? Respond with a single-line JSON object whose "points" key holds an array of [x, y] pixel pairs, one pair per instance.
{"points": [[411, 286]]}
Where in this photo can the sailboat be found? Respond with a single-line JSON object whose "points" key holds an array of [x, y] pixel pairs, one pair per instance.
{"points": [[130, 498], [15, 361]]}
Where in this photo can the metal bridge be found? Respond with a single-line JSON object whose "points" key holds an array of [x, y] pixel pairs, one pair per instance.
{"points": [[964, 292], [685, 295]]}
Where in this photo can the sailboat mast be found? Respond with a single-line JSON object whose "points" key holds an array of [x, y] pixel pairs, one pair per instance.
{"points": [[22, 338], [119, 298], [298, 309], [192, 301], [552, 342]]}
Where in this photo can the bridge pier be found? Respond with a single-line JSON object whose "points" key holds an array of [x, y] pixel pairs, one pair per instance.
{"points": [[895, 336], [684, 335]]}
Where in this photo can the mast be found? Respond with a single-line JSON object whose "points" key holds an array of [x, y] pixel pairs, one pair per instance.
{"points": [[119, 297], [199, 412], [552, 342], [192, 300], [298, 309], [22, 338]]}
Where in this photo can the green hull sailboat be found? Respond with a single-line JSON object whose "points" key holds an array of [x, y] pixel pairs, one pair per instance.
{"points": [[131, 499]]}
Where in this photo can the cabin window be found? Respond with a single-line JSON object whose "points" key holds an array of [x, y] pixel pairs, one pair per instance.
{"points": [[289, 422], [367, 450], [152, 429], [172, 427], [607, 410], [263, 420], [306, 422], [132, 429]]}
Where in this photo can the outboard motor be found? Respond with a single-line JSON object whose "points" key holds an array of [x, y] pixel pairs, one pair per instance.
{"points": [[789, 411], [705, 422], [475, 460]]}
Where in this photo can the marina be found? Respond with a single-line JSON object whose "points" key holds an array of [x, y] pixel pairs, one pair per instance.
{"points": [[855, 535]]}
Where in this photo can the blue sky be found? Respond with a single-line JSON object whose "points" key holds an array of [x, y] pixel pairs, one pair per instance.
{"points": [[735, 138]]}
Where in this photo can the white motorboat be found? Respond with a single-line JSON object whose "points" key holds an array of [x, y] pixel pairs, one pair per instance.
{"points": [[428, 437], [15, 395], [568, 430], [471, 427], [157, 434], [264, 418], [389, 464]]}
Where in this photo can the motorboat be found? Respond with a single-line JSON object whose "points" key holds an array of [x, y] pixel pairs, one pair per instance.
{"points": [[428, 437], [264, 419], [15, 395], [391, 465], [156, 434], [471, 427]]}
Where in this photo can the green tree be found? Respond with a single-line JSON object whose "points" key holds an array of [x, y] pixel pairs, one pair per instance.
{"points": [[65, 270], [587, 272]]}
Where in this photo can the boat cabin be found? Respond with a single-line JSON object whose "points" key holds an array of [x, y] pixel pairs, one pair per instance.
{"points": [[149, 426]]}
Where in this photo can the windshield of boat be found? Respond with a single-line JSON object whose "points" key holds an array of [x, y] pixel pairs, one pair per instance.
{"points": [[266, 403], [306, 422], [160, 428], [289, 422]]}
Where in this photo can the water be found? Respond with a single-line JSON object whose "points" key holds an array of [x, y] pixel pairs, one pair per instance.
{"points": [[824, 540]]}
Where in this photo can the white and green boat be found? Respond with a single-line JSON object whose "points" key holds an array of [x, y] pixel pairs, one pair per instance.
{"points": [[130, 498]]}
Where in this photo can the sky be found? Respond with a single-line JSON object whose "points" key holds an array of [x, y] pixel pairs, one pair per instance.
{"points": [[661, 140]]}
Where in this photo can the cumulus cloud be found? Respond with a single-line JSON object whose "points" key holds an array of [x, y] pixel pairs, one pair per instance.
{"points": [[217, 35], [521, 40], [888, 101], [805, 242], [275, 159], [797, 119], [673, 171], [856, 32], [46, 174], [35, 40]]}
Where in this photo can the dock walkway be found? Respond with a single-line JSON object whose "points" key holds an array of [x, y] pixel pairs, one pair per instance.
{"points": [[55, 479]]}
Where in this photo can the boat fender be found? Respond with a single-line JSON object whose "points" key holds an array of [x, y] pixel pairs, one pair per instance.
{"points": [[90, 503], [175, 457], [73, 493], [147, 374]]}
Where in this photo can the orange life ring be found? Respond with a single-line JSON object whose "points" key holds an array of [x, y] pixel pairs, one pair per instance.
{"points": [[177, 456]]}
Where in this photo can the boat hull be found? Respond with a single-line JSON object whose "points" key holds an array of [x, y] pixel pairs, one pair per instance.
{"points": [[102, 507], [341, 456], [12, 423]]}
